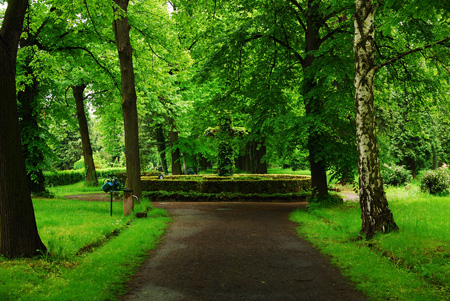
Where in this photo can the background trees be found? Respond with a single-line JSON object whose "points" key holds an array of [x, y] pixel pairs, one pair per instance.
{"points": [[270, 56], [283, 69]]}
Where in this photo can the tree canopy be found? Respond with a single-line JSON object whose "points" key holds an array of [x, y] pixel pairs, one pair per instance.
{"points": [[157, 74]]}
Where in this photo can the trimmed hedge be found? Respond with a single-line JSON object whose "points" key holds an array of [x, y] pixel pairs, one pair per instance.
{"points": [[179, 196], [66, 177], [242, 184]]}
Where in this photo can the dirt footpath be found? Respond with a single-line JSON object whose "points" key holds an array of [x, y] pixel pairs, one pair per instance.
{"points": [[236, 251]]}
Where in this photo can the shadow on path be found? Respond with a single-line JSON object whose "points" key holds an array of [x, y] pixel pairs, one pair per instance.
{"points": [[236, 251]]}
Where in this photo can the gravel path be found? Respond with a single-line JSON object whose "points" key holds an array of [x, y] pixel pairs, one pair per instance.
{"points": [[236, 251]]}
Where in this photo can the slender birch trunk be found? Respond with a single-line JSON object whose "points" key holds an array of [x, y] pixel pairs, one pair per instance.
{"points": [[376, 215]]}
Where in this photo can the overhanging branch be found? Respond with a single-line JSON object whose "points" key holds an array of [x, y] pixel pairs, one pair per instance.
{"points": [[96, 61], [402, 55]]}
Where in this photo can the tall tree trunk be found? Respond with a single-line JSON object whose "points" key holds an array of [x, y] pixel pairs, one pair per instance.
{"points": [[413, 167], [314, 106], [18, 230], [376, 215], [435, 159], [239, 162], [130, 116], [161, 145], [91, 175], [260, 152], [29, 128], [248, 158], [256, 151], [176, 155]]}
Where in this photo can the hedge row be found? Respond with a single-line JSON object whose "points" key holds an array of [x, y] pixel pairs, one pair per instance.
{"points": [[239, 184], [213, 177], [179, 196], [66, 177]]}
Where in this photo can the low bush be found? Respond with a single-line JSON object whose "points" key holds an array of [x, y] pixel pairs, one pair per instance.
{"points": [[394, 175], [435, 181], [66, 177], [326, 201], [192, 196]]}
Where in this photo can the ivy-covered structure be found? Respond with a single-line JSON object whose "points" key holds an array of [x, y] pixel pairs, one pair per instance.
{"points": [[225, 132]]}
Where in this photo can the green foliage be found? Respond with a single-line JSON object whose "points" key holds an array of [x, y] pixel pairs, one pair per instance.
{"points": [[225, 159], [299, 162], [395, 175], [99, 161], [53, 178], [65, 177], [435, 181], [79, 164], [193, 196], [325, 201]]}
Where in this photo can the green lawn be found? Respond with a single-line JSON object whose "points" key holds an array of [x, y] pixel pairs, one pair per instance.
{"points": [[411, 264], [288, 171], [90, 255]]}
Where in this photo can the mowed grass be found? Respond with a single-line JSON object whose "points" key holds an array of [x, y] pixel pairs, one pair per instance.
{"points": [[288, 171], [411, 264], [91, 254]]}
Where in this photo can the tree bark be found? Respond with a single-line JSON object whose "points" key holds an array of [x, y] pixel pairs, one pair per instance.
{"points": [[239, 162], [435, 159], [32, 142], [176, 156], [121, 29], [248, 158], [161, 145], [18, 230], [314, 106], [257, 150], [260, 153], [375, 213], [91, 175], [413, 167]]}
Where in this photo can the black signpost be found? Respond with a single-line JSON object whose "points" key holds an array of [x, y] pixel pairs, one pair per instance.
{"points": [[111, 185]]}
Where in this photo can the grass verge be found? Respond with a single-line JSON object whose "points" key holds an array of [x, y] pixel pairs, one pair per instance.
{"points": [[91, 255], [411, 264]]}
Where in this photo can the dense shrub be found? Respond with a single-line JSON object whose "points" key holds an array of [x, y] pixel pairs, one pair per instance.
{"points": [[79, 164], [325, 201], [395, 175], [66, 177], [435, 181], [193, 196], [299, 163]]}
